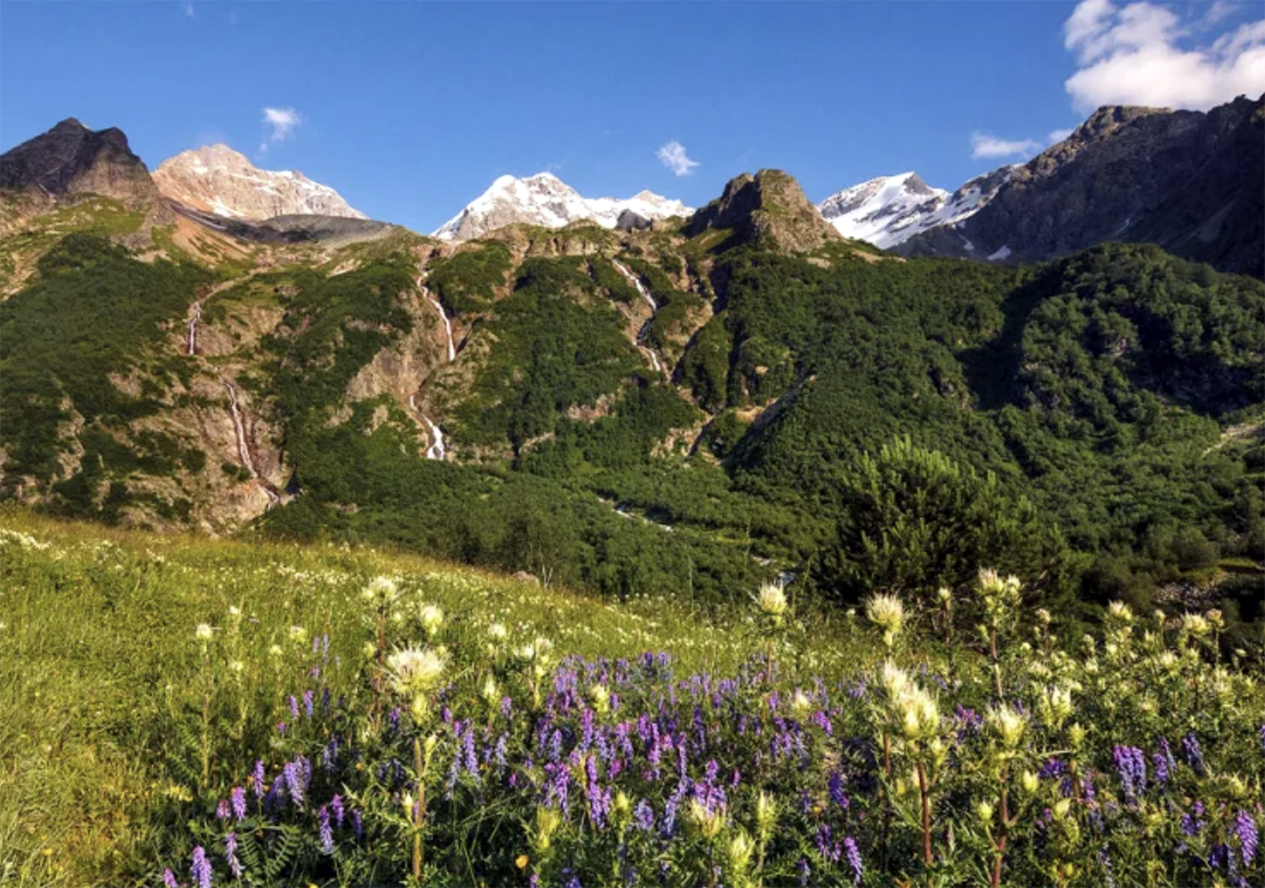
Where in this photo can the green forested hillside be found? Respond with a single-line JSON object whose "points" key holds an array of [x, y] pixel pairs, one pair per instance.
{"points": [[855, 420]]}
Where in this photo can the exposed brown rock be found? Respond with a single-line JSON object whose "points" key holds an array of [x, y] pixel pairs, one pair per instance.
{"points": [[768, 209]]}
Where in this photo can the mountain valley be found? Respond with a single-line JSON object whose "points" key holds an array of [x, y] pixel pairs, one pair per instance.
{"points": [[752, 381]]}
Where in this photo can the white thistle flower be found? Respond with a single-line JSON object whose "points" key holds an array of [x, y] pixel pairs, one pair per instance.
{"points": [[415, 671], [886, 612], [381, 589], [431, 617], [772, 599], [1008, 723]]}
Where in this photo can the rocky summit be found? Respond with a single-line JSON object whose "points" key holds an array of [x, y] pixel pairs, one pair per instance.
{"points": [[1189, 181], [769, 209], [547, 201], [71, 159], [216, 179]]}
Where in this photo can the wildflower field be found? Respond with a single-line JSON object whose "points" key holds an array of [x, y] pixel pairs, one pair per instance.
{"points": [[181, 711]]}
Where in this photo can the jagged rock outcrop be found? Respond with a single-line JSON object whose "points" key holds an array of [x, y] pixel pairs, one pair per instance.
{"points": [[768, 208], [1192, 182], [630, 220], [71, 159], [216, 179]]}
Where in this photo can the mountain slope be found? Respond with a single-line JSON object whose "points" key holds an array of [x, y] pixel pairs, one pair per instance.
{"points": [[216, 179], [545, 200], [686, 409], [1191, 182]]}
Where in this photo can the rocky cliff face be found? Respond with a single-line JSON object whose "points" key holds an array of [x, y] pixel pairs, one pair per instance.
{"points": [[546, 200], [72, 159], [216, 179], [1194, 183], [768, 208]]}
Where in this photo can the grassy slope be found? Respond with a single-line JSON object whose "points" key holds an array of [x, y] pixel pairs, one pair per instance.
{"points": [[95, 650]]}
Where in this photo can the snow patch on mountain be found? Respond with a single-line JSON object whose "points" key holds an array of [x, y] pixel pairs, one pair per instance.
{"points": [[216, 179], [889, 210], [545, 200]]}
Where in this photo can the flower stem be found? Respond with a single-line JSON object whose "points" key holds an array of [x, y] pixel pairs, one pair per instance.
{"points": [[926, 818], [420, 814]]}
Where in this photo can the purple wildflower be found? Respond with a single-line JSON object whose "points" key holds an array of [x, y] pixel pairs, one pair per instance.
{"points": [[221, 810], [1105, 859], [1053, 768], [294, 708], [294, 781], [853, 854], [257, 779], [1249, 838], [472, 760], [201, 868], [1131, 765], [357, 824], [307, 703], [1191, 824], [327, 832], [237, 798], [336, 805], [835, 787], [230, 855], [1194, 755], [169, 879], [643, 816], [804, 870]]}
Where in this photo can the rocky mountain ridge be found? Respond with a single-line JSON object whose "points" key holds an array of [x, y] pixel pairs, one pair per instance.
{"points": [[70, 159], [547, 201], [889, 210], [216, 179], [1190, 181]]}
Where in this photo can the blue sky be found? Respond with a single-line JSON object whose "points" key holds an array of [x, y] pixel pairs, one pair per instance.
{"points": [[411, 110]]}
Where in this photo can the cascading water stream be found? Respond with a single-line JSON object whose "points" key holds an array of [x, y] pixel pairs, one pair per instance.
{"points": [[243, 448], [452, 351], [193, 328], [654, 307], [243, 452], [436, 450]]}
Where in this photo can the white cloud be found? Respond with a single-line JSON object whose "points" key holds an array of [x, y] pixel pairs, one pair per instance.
{"points": [[1059, 135], [674, 158], [280, 123], [984, 145], [1131, 55], [188, 9], [1217, 11]]}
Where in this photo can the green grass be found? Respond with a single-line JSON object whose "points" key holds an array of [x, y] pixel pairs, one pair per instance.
{"points": [[96, 657], [141, 678]]}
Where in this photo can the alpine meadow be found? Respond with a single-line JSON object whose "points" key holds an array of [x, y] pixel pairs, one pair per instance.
{"points": [[906, 537]]}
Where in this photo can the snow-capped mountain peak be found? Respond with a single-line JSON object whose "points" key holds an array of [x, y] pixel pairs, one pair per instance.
{"points": [[889, 210], [216, 179], [545, 200]]}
